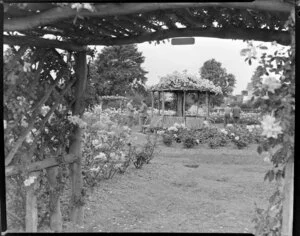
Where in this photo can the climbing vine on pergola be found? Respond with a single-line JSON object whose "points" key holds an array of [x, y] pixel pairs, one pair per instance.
{"points": [[71, 27]]}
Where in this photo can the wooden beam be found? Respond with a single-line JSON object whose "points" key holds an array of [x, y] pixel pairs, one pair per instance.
{"points": [[110, 9], [265, 35], [39, 165], [43, 43], [131, 24], [189, 18], [141, 20]]}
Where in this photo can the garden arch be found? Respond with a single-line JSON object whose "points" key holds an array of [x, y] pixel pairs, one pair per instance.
{"points": [[74, 26]]}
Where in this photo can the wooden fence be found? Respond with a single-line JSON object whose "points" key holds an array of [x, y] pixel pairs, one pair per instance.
{"points": [[192, 122]]}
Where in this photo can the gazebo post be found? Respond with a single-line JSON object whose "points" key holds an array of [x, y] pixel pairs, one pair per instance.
{"points": [[158, 102], [207, 103], [163, 103], [152, 100], [184, 117], [198, 100], [179, 103]]}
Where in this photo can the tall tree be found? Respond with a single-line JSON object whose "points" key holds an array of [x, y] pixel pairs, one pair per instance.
{"points": [[256, 77], [213, 71], [117, 71]]}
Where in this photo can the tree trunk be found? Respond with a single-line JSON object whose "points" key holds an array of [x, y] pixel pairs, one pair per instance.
{"points": [[55, 211], [31, 218], [179, 104], [76, 213]]}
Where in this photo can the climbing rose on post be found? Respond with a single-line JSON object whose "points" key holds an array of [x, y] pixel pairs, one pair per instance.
{"points": [[271, 84], [271, 128]]}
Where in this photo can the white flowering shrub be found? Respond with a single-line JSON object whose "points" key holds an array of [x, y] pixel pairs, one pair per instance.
{"points": [[178, 80], [166, 112], [105, 143]]}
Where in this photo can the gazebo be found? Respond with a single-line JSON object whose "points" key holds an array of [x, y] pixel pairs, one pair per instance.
{"points": [[181, 84]]}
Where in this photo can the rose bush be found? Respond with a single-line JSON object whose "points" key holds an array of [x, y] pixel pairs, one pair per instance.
{"points": [[240, 135], [106, 144], [246, 118]]}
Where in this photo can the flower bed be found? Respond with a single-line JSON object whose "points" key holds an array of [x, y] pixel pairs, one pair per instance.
{"points": [[108, 145], [214, 137]]}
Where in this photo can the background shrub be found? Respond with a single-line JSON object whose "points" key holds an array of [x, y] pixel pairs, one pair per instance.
{"points": [[167, 140], [189, 142]]}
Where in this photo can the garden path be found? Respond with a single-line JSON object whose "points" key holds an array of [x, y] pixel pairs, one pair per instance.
{"points": [[171, 195]]}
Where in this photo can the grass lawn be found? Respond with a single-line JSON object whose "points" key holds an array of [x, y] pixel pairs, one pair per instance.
{"points": [[182, 190]]}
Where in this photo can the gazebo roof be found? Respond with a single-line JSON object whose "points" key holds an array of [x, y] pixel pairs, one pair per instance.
{"points": [[185, 82], [72, 26]]}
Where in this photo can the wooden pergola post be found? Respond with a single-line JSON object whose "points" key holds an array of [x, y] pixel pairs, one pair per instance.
{"points": [[31, 218], [55, 211], [152, 101], [288, 201], [288, 190], [76, 213]]}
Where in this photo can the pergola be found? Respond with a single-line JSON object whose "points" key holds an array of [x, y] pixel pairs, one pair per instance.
{"points": [[72, 27], [181, 84]]}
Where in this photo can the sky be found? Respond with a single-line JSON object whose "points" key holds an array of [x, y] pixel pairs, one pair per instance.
{"points": [[162, 59], [165, 58]]}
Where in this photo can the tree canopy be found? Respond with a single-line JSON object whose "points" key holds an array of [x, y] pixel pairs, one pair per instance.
{"points": [[117, 70], [212, 70]]}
